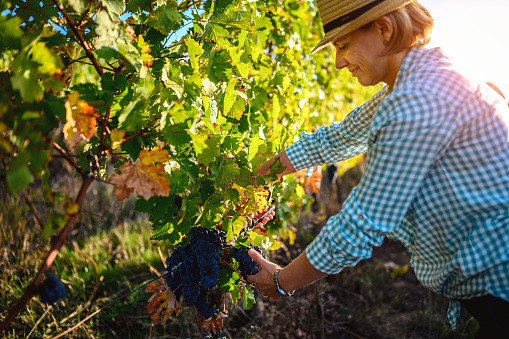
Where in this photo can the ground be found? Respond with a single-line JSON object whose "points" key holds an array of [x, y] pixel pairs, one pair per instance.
{"points": [[110, 256]]}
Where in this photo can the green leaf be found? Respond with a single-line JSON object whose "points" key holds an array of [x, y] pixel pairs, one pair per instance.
{"points": [[10, 34], [249, 297], [146, 86], [162, 232], [133, 117], [228, 171], [114, 7], [113, 35], [228, 280], [234, 227], [212, 211], [275, 108], [256, 239], [219, 67], [230, 96], [205, 147], [257, 145], [194, 51], [25, 79], [80, 5], [239, 106], [168, 20], [18, 178]]}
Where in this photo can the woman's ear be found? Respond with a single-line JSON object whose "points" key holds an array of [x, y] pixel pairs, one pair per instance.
{"points": [[384, 28]]}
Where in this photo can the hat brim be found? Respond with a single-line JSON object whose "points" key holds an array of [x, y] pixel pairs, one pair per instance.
{"points": [[370, 15]]}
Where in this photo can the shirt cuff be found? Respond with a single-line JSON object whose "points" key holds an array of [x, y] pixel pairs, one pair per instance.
{"points": [[346, 238], [300, 153]]}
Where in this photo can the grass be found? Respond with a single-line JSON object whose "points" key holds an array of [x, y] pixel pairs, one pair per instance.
{"points": [[105, 257]]}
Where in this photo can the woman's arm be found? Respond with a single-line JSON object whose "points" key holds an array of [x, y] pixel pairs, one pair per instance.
{"points": [[339, 141]]}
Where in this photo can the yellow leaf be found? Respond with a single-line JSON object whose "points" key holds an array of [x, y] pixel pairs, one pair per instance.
{"points": [[71, 207], [145, 176], [116, 137], [80, 120], [157, 154]]}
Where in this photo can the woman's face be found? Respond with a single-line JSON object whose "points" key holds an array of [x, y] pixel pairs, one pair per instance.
{"points": [[361, 52]]}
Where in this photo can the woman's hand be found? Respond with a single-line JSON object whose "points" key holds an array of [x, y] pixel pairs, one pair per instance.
{"points": [[285, 161], [259, 225], [263, 280]]}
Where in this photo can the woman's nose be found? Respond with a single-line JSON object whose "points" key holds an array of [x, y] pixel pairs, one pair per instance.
{"points": [[340, 62]]}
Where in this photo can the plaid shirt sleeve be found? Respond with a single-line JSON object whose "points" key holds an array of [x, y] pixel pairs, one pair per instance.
{"points": [[409, 132], [340, 141]]}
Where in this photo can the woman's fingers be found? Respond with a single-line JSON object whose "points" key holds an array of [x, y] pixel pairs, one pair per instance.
{"points": [[263, 280]]}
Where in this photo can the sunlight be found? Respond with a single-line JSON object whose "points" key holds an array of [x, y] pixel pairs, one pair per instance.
{"points": [[475, 34]]}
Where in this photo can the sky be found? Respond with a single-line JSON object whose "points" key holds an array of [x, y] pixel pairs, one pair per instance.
{"points": [[476, 35]]}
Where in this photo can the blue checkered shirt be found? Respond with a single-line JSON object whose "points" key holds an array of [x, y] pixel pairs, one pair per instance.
{"points": [[436, 178]]}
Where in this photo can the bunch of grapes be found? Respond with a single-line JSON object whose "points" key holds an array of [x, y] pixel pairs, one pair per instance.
{"points": [[246, 265], [194, 269], [51, 290]]}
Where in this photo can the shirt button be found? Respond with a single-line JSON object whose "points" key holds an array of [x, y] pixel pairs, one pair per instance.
{"points": [[361, 217]]}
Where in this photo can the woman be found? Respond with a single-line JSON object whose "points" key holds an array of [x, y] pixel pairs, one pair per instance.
{"points": [[437, 172]]}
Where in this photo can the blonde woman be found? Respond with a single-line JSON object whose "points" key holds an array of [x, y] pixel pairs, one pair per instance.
{"points": [[437, 173]]}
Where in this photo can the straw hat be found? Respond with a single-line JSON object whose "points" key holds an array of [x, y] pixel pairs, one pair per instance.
{"points": [[340, 17]]}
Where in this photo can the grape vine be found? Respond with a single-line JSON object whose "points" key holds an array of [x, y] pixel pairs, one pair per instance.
{"points": [[182, 100]]}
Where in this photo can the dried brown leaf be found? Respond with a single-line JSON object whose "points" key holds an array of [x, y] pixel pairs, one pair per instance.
{"points": [[145, 176], [216, 322], [162, 304]]}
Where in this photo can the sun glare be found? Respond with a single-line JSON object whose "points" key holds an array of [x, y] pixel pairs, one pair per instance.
{"points": [[476, 35]]}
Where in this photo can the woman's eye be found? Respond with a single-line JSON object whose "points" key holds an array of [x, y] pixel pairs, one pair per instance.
{"points": [[341, 47]]}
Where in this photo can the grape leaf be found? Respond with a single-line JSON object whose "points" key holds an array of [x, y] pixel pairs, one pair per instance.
{"points": [[10, 34], [162, 298], [144, 176], [212, 212], [257, 146], [230, 96], [228, 171], [114, 7], [25, 79], [80, 120], [79, 5], [234, 227], [133, 116], [195, 51], [215, 323], [206, 147], [117, 138], [249, 297]]}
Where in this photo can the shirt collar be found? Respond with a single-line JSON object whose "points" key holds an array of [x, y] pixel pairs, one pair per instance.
{"points": [[407, 64]]}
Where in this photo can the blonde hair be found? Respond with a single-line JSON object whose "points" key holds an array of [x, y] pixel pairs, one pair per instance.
{"points": [[413, 25]]}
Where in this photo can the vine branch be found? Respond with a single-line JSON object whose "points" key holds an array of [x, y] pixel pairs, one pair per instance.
{"points": [[78, 34], [67, 157]]}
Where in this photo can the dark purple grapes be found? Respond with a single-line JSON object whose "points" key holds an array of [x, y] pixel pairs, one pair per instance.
{"points": [[51, 290], [247, 266], [203, 306], [194, 269], [206, 245]]}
